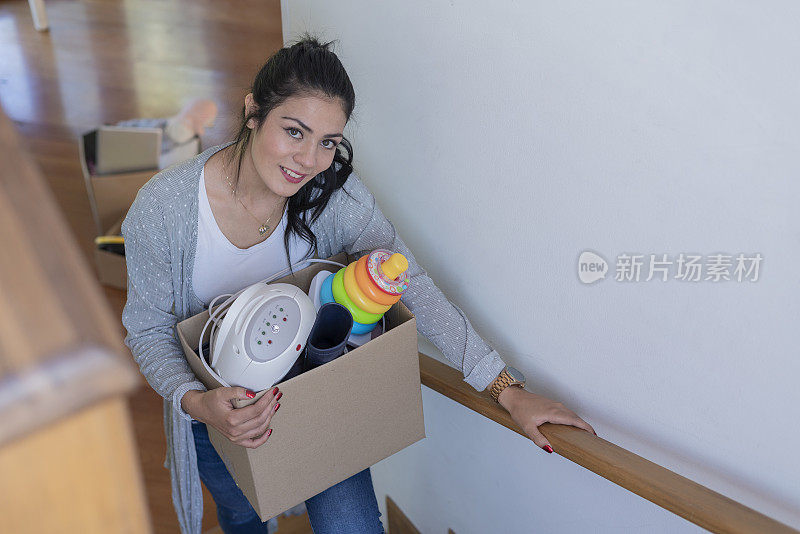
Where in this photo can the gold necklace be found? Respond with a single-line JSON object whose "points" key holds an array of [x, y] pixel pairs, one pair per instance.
{"points": [[264, 228]]}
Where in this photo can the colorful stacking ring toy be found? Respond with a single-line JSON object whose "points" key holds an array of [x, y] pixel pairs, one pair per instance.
{"points": [[359, 316], [388, 271], [362, 301], [326, 296], [371, 290], [368, 287]]}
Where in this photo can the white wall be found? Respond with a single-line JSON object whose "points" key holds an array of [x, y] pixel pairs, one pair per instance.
{"points": [[523, 133]]}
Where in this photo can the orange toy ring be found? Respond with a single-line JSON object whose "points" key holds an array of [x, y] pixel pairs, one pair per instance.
{"points": [[368, 287], [357, 296]]}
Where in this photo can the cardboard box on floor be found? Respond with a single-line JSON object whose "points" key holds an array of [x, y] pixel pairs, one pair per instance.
{"points": [[111, 267], [335, 420], [111, 195]]}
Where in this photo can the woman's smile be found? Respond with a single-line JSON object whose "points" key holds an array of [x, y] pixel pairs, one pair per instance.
{"points": [[291, 175]]}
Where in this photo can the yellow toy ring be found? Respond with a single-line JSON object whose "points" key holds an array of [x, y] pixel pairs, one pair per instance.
{"points": [[340, 295], [368, 288], [357, 296]]}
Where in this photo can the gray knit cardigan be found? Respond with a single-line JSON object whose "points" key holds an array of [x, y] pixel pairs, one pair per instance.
{"points": [[160, 233]]}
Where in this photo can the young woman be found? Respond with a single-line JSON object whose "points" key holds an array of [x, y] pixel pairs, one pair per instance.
{"points": [[281, 192]]}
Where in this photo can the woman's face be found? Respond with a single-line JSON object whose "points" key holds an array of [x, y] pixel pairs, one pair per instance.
{"points": [[296, 142]]}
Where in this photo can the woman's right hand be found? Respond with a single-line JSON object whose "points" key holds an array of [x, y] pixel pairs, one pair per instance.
{"points": [[247, 426]]}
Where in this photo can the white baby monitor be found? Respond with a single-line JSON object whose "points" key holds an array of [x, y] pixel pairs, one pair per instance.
{"points": [[262, 334]]}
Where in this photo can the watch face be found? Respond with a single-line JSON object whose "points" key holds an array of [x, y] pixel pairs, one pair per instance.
{"points": [[516, 374]]}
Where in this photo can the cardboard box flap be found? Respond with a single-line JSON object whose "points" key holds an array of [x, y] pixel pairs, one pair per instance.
{"points": [[110, 196], [120, 149]]}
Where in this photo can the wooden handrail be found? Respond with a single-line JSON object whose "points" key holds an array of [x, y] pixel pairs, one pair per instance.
{"points": [[684, 497], [60, 348]]}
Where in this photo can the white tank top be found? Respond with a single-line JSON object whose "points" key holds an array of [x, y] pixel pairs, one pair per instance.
{"points": [[221, 267]]}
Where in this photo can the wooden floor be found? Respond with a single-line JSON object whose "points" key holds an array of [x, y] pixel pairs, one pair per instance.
{"points": [[106, 61]]}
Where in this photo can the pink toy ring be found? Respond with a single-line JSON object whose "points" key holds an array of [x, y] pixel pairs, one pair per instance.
{"points": [[391, 287]]}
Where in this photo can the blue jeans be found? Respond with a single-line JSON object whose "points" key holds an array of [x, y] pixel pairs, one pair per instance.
{"points": [[349, 507]]}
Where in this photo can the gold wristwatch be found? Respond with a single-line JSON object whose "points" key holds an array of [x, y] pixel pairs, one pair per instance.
{"points": [[509, 376]]}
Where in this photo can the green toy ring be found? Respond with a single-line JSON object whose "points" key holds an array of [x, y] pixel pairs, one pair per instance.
{"points": [[340, 295]]}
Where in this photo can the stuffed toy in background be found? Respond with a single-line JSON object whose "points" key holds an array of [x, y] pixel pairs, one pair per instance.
{"points": [[192, 120], [178, 130]]}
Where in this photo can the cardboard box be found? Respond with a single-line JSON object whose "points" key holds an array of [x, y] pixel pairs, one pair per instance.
{"points": [[111, 195], [121, 149], [112, 270], [336, 420]]}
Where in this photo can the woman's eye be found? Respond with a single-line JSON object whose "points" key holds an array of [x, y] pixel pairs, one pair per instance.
{"points": [[292, 131], [332, 145]]}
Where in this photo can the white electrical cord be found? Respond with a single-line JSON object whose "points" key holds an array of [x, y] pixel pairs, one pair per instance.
{"points": [[216, 316]]}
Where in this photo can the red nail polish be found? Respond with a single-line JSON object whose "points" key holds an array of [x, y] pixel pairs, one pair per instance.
{"points": [[279, 396], [269, 432], [277, 406], [548, 448], [250, 394]]}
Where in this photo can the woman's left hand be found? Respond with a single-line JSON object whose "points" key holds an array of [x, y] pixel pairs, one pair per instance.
{"points": [[530, 410]]}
